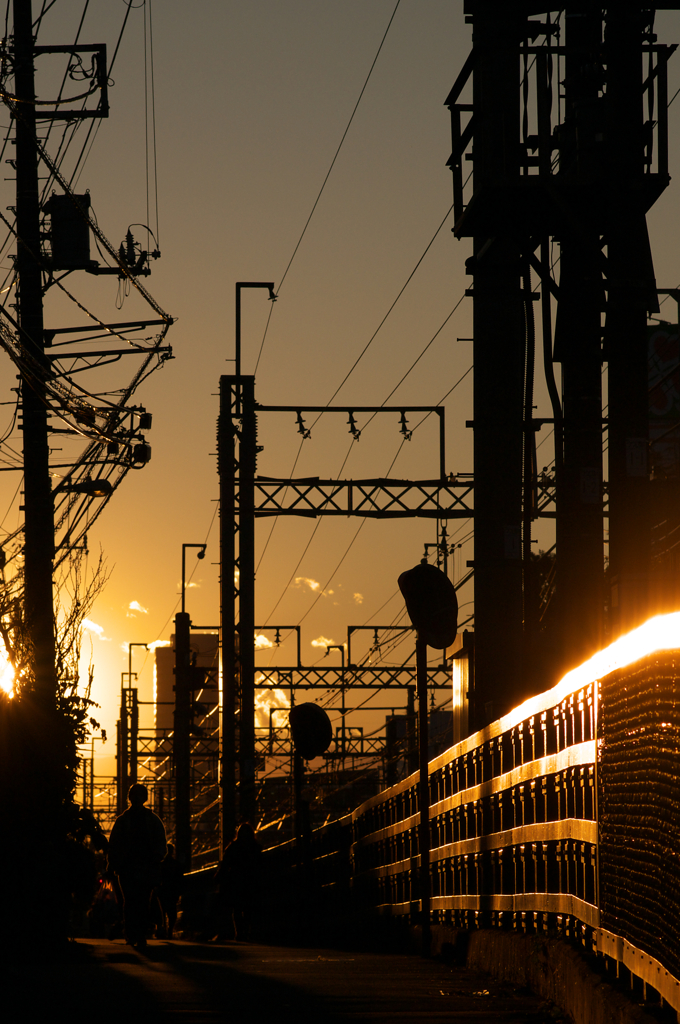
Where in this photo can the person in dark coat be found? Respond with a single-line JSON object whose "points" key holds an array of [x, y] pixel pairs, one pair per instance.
{"points": [[238, 878], [137, 846], [170, 889]]}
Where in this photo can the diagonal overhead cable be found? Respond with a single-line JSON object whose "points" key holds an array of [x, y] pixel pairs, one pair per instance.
{"points": [[328, 173], [401, 292], [337, 152]]}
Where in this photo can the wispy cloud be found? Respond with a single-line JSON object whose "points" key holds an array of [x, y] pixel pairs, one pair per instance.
{"points": [[358, 598], [151, 646], [134, 608], [266, 699], [262, 642], [305, 581], [93, 627], [125, 647], [322, 641]]}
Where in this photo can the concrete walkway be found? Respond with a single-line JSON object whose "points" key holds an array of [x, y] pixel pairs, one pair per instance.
{"points": [[242, 983]]}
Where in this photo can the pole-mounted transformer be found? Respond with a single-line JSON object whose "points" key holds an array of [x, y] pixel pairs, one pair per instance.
{"points": [[69, 232]]}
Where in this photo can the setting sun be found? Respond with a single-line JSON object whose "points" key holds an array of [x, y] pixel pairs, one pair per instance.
{"points": [[6, 672]]}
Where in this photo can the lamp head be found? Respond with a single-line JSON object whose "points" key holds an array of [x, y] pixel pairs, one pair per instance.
{"points": [[92, 487]]}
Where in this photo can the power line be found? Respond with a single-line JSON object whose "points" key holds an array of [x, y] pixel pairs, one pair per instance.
{"points": [[356, 363], [276, 518], [337, 152], [150, 93], [349, 546], [177, 602], [325, 181], [317, 525], [415, 363], [73, 128], [399, 295], [83, 157]]}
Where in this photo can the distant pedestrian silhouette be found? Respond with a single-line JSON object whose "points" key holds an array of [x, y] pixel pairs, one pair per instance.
{"points": [[238, 878], [103, 914], [136, 848], [170, 889]]}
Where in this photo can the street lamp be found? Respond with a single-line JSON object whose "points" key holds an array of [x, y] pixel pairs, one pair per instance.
{"points": [[129, 713], [92, 487], [181, 739], [201, 554], [88, 801], [269, 285], [140, 643], [238, 664]]}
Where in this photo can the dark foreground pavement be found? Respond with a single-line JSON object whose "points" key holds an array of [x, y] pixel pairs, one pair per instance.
{"points": [[194, 983]]}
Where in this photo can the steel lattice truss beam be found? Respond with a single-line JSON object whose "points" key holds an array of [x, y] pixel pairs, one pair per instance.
{"points": [[206, 778], [202, 748], [377, 498], [355, 746], [365, 678]]}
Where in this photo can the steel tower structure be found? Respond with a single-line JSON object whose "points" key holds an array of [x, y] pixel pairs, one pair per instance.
{"points": [[567, 135]]}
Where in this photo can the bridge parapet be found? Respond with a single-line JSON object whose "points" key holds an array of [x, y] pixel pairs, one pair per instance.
{"points": [[639, 820], [513, 831], [563, 816]]}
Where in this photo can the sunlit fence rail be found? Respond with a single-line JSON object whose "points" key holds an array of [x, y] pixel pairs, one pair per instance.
{"points": [[562, 817]]}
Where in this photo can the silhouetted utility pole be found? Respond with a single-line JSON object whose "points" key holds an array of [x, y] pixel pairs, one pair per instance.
{"points": [[246, 584], [127, 741], [122, 785], [423, 796], [411, 731], [236, 463], [38, 505], [181, 744], [568, 127], [227, 469], [632, 292], [243, 497], [578, 347], [499, 363], [236, 446]]}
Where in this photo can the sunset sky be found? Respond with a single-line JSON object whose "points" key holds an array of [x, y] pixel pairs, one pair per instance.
{"points": [[251, 103]]}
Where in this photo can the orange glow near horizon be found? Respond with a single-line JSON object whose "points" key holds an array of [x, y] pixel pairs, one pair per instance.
{"points": [[661, 633], [265, 700], [6, 672]]}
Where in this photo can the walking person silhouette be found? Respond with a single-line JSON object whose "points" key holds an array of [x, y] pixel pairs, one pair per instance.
{"points": [[137, 845]]}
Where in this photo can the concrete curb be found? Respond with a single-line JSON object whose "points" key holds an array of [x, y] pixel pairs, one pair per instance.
{"points": [[552, 969]]}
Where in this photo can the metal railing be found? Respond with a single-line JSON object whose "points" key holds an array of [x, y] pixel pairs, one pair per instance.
{"points": [[512, 823], [563, 817]]}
